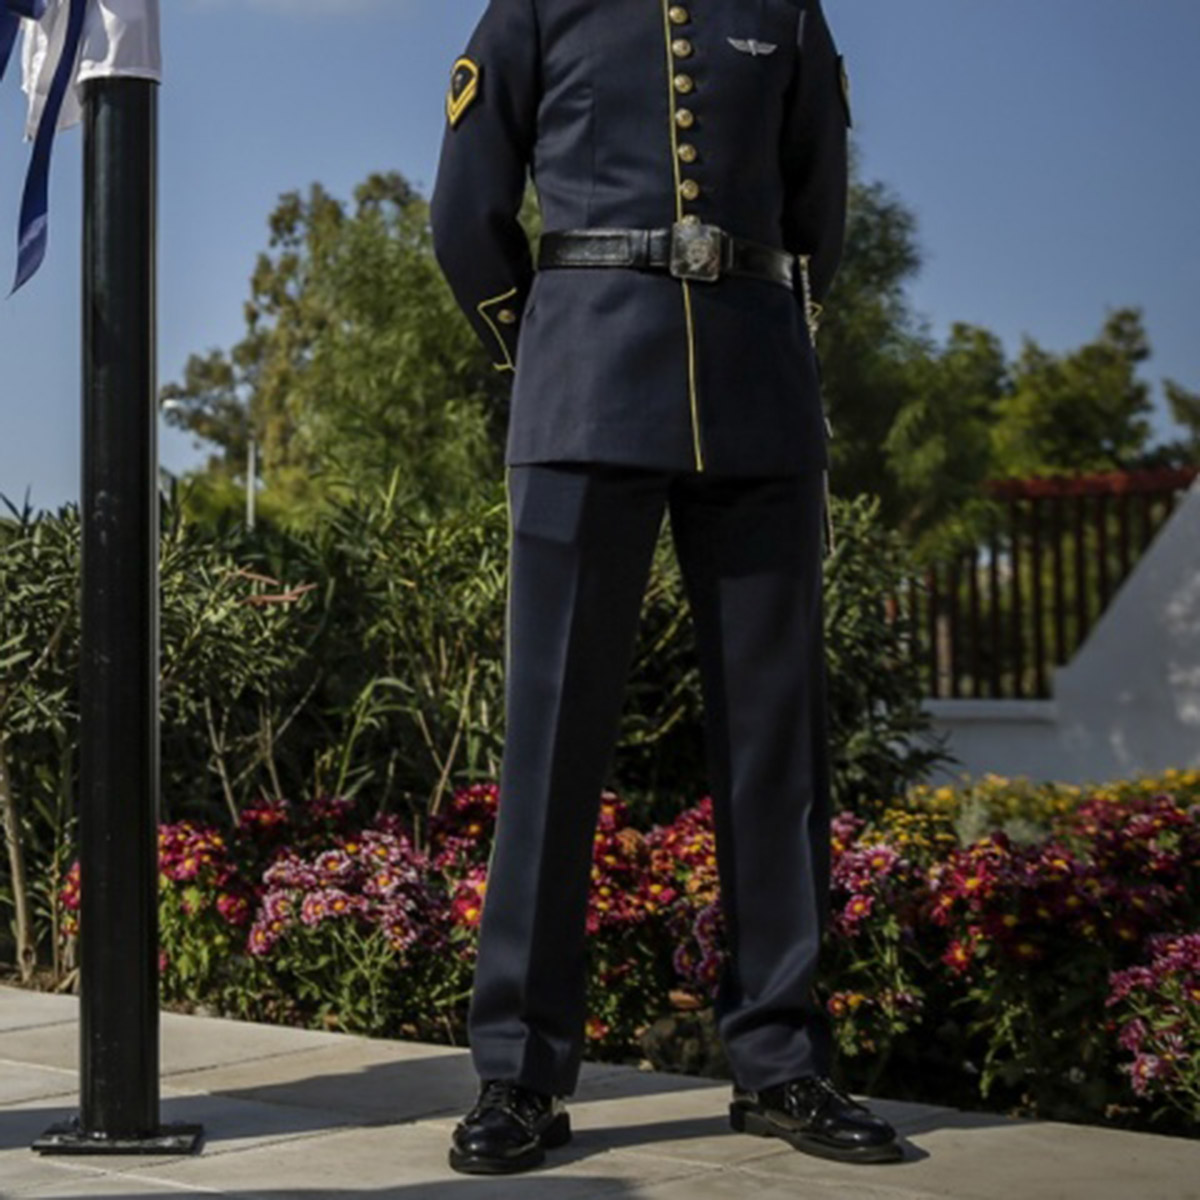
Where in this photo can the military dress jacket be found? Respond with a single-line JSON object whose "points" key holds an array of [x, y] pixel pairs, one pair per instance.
{"points": [[641, 114]]}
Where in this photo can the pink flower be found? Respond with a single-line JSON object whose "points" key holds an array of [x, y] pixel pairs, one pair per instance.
{"points": [[334, 866], [261, 940]]}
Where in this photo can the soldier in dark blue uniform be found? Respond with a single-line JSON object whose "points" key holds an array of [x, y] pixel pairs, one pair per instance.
{"points": [[690, 160]]}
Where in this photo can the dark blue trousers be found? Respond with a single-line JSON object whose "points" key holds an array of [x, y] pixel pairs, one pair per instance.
{"points": [[750, 553]]}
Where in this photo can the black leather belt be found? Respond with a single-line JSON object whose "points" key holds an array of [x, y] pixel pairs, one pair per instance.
{"points": [[688, 251]]}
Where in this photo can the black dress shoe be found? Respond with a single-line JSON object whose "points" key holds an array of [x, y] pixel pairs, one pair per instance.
{"points": [[509, 1129], [815, 1116]]}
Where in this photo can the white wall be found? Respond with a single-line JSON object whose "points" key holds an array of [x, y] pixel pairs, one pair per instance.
{"points": [[1128, 702]]}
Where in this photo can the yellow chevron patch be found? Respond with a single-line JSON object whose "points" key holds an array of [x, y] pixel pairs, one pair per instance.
{"points": [[464, 89]]}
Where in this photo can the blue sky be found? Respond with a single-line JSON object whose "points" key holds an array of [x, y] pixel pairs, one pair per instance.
{"points": [[1047, 146]]}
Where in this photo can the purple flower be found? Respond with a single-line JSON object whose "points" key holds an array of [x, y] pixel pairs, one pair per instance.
{"points": [[1133, 1035]]}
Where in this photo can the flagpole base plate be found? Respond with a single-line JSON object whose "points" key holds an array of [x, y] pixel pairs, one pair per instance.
{"points": [[69, 1137]]}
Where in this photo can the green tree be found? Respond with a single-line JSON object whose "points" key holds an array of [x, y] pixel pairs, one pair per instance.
{"points": [[1184, 407], [869, 340], [355, 363], [938, 449], [1081, 411]]}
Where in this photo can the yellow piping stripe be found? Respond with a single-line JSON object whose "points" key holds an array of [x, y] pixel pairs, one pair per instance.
{"points": [[687, 293], [507, 364]]}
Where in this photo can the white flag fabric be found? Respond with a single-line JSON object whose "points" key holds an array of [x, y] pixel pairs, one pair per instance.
{"points": [[120, 38]]}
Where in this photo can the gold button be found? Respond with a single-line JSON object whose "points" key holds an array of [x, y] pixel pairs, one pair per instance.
{"points": [[690, 219], [506, 316], [687, 152], [678, 14], [684, 84], [689, 189], [685, 118], [681, 48]]}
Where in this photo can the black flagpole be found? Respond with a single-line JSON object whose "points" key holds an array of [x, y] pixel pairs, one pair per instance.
{"points": [[119, 721]]}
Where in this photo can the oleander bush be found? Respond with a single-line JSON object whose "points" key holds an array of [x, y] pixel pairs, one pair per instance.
{"points": [[364, 655], [1055, 973]]}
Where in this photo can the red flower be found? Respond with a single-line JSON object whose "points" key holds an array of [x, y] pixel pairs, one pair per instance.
{"points": [[959, 955]]}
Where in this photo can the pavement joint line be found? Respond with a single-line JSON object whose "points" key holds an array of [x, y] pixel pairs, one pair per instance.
{"points": [[210, 1151], [22, 1062], [24, 1103], [621, 1187], [183, 1188], [617, 1187], [68, 1167], [37, 1025], [346, 1122], [255, 1058], [872, 1179], [366, 1120], [647, 1150]]}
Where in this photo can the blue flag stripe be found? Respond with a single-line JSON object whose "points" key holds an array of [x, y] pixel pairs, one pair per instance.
{"points": [[34, 232]]}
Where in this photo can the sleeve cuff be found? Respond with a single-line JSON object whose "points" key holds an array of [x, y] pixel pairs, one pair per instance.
{"points": [[502, 317]]}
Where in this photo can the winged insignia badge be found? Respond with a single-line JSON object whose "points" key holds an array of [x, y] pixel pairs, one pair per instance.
{"points": [[752, 47]]}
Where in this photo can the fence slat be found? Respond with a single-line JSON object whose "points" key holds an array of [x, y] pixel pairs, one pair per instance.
{"points": [[980, 639], [1035, 595], [1014, 587]]}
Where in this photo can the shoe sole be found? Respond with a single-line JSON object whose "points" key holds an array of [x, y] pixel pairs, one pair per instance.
{"points": [[556, 1134], [744, 1120]]}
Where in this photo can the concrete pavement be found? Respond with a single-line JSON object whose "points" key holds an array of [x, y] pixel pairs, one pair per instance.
{"points": [[297, 1115]]}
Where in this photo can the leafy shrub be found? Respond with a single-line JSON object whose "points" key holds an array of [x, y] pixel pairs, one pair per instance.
{"points": [[365, 655], [1023, 975]]}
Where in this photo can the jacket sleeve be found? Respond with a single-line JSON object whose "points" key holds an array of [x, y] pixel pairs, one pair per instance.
{"points": [[491, 119], [816, 169]]}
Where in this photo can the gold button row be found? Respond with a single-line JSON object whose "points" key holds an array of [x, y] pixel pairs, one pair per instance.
{"points": [[684, 85], [506, 316]]}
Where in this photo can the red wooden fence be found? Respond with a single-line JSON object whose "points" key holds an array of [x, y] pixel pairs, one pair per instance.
{"points": [[992, 621]]}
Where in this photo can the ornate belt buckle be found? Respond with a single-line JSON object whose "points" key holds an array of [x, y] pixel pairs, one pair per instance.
{"points": [[697, 251]]}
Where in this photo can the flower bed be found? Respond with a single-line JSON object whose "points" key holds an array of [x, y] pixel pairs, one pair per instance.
{"points": [[1037, 949]]}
